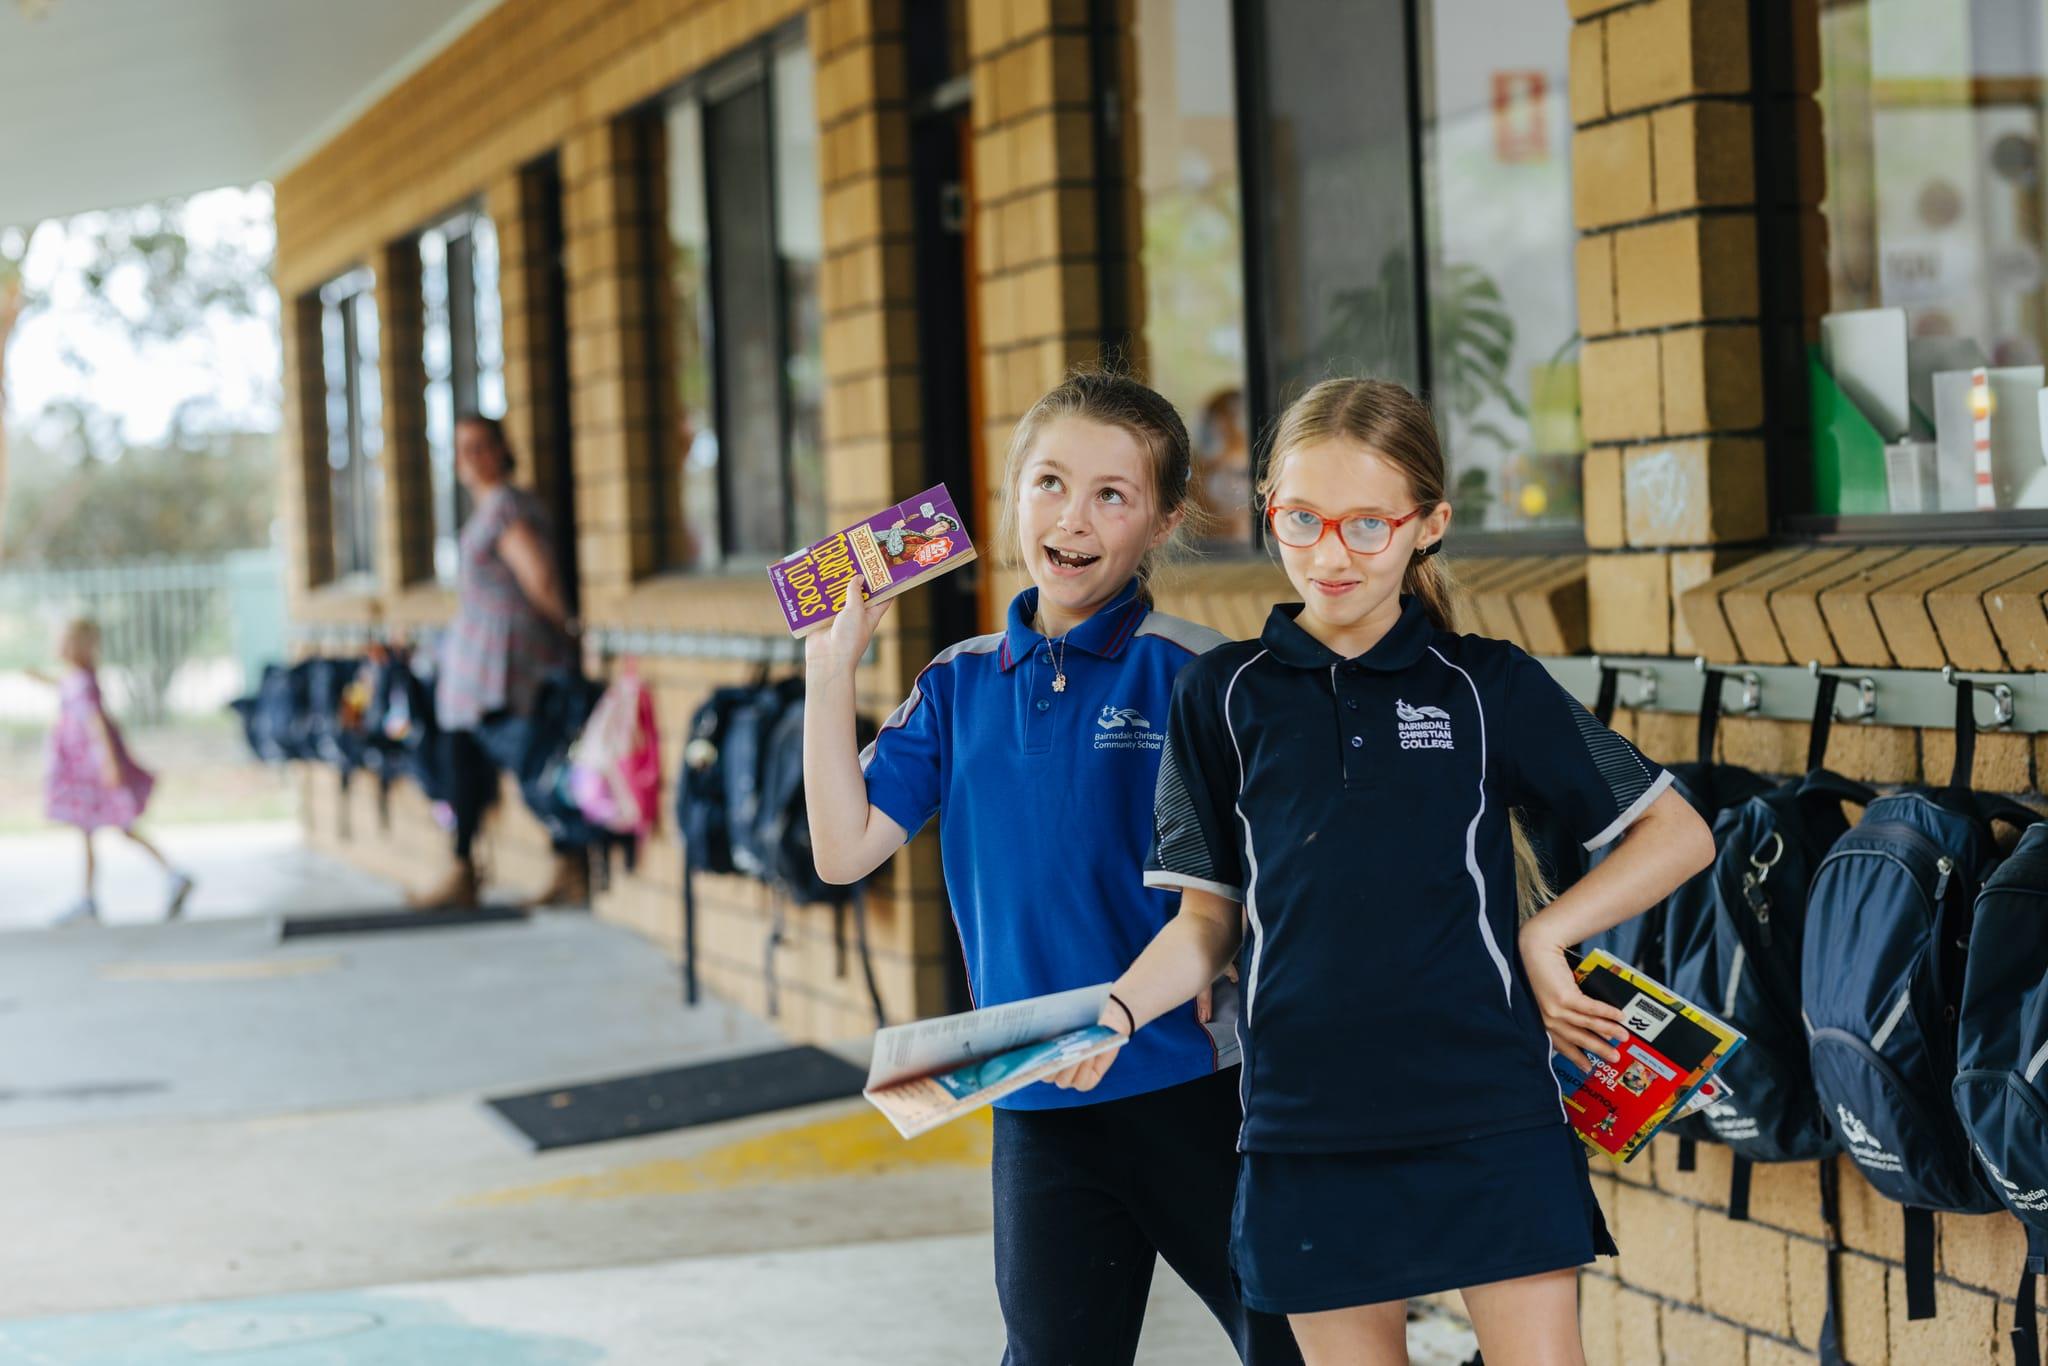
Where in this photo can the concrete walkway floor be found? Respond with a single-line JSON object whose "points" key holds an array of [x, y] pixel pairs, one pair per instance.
{"points": [[218, 1146]]}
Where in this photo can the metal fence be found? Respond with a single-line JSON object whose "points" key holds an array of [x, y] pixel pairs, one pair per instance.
{"points": [[176, 635]]}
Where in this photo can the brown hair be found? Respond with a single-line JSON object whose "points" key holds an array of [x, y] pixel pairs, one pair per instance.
{"points": [[496, 428], [1113, 400], [1394, 424], [79, 635]]}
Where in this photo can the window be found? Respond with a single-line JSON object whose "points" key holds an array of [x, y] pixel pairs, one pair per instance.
{"points": [[355, 420], [1932, 118], [1300, 192], [463, 354], [742, 468]]}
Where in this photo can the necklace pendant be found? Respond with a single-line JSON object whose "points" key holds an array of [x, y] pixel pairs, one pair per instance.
{"points": [[1059, 682]]}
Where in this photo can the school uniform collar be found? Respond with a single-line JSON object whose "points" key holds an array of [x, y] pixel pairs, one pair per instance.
{"points": [[1104, 635], [1400, 647]]}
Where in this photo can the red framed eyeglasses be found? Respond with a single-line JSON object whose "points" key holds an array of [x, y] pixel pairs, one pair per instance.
{"points": [[1362, 533]]}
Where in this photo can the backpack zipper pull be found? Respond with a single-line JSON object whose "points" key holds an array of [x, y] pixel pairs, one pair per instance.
{"points": [[1945, 866]]}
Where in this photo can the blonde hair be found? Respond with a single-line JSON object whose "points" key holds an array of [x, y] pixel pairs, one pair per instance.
{"points": [[1398, 427], [1113, 400], [79, 642]]}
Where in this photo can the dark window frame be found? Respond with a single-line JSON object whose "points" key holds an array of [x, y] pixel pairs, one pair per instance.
{"points": [[747, 72], [1262, 404], [465, 366], [353, 558]]}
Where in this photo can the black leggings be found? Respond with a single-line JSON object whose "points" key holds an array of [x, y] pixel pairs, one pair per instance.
{"points": [[472, 785], [1089, 1198]]}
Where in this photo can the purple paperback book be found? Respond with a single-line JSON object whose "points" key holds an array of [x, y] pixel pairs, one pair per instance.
{"points": [[920, 538]]}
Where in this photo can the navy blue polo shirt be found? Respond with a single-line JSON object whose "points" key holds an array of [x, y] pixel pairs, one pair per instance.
{"points": [[1044, 800], [1358, 810]]}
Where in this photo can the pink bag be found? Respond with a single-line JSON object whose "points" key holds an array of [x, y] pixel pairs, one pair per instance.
{"points": [[615, 765]]}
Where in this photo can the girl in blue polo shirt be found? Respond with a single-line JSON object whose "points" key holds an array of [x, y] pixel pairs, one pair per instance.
{"points": [[1337, 793], [1038, 748]]}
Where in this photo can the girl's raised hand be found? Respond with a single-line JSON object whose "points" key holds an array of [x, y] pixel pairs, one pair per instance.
{"points": [[1577, 1024], [839, 647]]}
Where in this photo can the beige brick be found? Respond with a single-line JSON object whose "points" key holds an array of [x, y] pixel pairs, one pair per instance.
{"points": [[1669, 50], [1661, 1251], [1585, 9], [1692, 1339], [1685, 270], [1694, 492], [1636, 1322], [1847, 606], [1902, 610], [1630, 603], [1588, 64], [1963, 1329], [1875, 754], [1743, 1273], [1769, 1352], [1712, 379], [1748, 605], [1706, 1183], [1704, 156], [2018, 617], [1961, 611], [1619, 389], [1786, 1195], [1599, 1319], [1762, 745], [1595, 270], [1982, 1250], [1796, 605], [1611, 178], [1870, 1223], [1605, 515], [1690, 569], [2001, 762]]}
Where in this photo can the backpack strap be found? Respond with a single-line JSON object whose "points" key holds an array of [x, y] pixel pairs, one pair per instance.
{"points": [[1739, 1171], [1610, 693], [1823, 722], [1710, 714], [1991, 808], [1831, 1216], [1688, 1154], [1820, 782], [1966, 734], [1919, 1259], [689, 929], [2026, 1350]]}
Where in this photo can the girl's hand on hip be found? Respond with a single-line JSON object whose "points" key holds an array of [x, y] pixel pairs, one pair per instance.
{"points": [[1083, 1076], [1577, 1024], [1205, 1000]]}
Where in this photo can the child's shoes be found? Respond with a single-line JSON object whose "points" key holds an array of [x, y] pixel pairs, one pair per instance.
{"points": [[179, 887], [83, 911]]}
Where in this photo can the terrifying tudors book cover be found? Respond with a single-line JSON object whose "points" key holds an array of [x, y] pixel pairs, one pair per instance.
{"points": [[918, 539]]}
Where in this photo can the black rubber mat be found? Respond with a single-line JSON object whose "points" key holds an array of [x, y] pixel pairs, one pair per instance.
{"points": [[680, 1097], [382, 922]]}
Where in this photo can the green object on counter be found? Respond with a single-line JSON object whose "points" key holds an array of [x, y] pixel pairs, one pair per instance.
{"points": [[1848, 454]]}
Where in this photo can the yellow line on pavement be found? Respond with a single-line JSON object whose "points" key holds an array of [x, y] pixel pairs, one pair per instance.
{"points": [[231, 970], [858, 1144]]}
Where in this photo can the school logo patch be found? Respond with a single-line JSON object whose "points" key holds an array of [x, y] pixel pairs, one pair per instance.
{"points": [[1422, 727], [1863, 1145], [1125, 728]]}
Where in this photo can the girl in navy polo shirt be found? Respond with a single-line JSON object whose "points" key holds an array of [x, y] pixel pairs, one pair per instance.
{"points": [[1338, 793], [1038, 748]]}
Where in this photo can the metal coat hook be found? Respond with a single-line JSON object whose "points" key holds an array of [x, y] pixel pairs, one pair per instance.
{"points": [[1866, 695], [2002, 711], [1752, 699]]}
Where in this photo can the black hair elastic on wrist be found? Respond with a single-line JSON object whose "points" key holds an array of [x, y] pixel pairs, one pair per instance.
{"points": [[1133, 1019]]}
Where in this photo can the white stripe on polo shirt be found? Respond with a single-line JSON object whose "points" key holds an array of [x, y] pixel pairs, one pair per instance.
{"points": [[1500, 962], [1251, 881]]}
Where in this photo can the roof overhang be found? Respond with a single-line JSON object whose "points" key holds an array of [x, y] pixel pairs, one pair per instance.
{"points": [[105, 103]]}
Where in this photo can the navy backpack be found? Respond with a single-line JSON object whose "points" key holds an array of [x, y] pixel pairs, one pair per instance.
{"points": [[2001, 1086], [1888, 930]]}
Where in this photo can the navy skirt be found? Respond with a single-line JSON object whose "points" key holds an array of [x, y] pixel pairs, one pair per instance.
{"points": [[1318, 1231]]}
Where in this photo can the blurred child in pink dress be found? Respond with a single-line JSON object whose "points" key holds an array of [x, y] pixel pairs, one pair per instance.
{"points": [[89, 780]]}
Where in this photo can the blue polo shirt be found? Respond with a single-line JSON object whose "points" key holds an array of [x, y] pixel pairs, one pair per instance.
{"points": [[1044, 800], [1358, 810]]}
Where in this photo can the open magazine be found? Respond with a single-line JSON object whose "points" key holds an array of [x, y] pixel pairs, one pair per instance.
{"points": [[932, 1071], [1669, 1057]]}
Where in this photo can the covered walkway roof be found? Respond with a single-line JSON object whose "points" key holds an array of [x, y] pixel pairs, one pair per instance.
{"points": [[106, 103]]}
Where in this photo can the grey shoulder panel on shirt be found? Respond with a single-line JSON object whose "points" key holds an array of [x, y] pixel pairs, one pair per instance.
{"points": [[1191, 636], [973, 645]]}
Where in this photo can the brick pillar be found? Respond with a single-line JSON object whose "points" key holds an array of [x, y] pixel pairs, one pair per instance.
{"points": [[1035, 206], [607, 172], [405, 514], [307, 497], [875, 452], [1665, 191]]}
